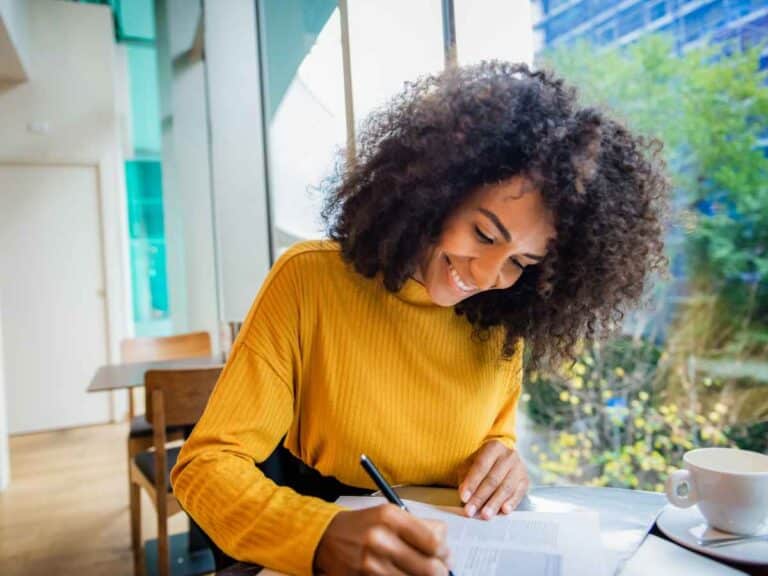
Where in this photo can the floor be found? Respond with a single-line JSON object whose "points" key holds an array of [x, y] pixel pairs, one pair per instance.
{"points": [[66, 510]]}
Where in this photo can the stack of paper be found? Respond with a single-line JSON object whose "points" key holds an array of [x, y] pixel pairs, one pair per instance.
{"points": [[522, 544]]}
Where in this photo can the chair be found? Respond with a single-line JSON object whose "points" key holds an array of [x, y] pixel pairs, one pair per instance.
{"points": [[173, 398], [191, 345]]}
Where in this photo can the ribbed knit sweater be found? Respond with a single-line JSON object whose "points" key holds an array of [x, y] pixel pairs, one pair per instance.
{"points": [[339, 366]]}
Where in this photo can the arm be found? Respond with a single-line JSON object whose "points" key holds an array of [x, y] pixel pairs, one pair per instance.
{"points": [[495, 478], [216, 479]]}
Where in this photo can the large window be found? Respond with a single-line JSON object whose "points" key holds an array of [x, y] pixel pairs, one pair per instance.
{"points": [[312, 113], [691, 369], [305, 109]]}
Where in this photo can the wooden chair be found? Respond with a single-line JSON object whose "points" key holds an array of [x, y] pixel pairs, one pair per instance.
{"points": [[173, 398], [191, 345]]}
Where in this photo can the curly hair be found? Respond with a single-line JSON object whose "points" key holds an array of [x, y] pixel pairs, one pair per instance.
{"points": [[448, 134]]}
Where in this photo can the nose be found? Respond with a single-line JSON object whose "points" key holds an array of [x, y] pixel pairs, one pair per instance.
{"points": [[486, 271]]}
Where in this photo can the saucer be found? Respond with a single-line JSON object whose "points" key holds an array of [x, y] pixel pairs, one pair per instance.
{"points": [[681, 524]]}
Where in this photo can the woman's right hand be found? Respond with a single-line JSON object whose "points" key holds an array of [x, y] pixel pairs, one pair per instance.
{"points": [[382, 540]]}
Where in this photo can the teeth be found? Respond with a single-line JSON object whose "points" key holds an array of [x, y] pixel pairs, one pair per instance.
{"points": [[457, 279]]}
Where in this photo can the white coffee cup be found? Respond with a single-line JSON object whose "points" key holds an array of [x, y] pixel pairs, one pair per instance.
{"points": [[730, 487]]}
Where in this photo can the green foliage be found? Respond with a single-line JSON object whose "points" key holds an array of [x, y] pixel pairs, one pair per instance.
{"points": [[606, 430], [709, 106], [750, 437], [625, 413]]}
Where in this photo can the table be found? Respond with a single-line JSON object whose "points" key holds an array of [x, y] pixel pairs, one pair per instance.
{"points": [[657, 555], [126, 376], [190, 553]]}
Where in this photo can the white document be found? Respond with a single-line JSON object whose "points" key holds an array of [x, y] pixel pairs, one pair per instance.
{"points": [[519, 544]]}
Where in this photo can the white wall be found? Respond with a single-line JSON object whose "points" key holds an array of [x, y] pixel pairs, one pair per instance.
{"points": [[237, 153], [66, 114], [13, 41]]}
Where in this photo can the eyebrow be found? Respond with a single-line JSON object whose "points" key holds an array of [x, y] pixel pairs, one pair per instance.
{"points": [[504, 232]]}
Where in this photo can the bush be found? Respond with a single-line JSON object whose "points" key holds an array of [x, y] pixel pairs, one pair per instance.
{"points": [[605, 429]]}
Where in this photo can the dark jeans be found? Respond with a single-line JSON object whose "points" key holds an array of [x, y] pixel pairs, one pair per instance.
{"points": [[284, 469]]}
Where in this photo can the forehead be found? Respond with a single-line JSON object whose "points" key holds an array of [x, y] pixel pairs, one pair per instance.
{"points": [[519, 205]]}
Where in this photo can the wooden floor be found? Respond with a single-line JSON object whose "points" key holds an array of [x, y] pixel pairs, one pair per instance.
{"points": [[66, 510]]}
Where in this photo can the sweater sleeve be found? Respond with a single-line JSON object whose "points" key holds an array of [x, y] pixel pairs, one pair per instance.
{"points": [[216, 479], [503, 428]]}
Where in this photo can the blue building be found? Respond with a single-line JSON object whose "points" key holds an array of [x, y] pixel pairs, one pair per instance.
{"points": [[690, 23], [619, 22]]}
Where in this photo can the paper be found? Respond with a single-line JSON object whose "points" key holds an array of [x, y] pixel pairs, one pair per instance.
{"points": [[626, 516], [523, 543]]}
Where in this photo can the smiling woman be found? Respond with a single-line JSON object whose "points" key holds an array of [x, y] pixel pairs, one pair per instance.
{"points": [[487, 243], [459, 159], [484, 207]]}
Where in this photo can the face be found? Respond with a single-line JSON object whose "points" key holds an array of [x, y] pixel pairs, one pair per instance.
{"points": [[487, 242]]}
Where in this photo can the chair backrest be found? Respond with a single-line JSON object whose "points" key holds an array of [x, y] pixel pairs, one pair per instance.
{"points": [[191, 345], [183, 394]]}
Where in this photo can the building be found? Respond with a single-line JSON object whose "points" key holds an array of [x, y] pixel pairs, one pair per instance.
{"points": [[620, 22]]}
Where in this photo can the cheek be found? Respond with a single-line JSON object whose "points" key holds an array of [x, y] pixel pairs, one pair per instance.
{"points": [[512, 278], [457, 240]]}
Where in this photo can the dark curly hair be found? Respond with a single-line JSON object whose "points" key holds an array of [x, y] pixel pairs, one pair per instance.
{"points": [[447, 135]]}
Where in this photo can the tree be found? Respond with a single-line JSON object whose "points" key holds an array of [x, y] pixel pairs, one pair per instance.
{"points": [[710, 107]]}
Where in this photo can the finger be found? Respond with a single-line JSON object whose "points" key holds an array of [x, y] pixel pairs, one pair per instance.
{"points": [[502, 494], [488, 486], [440, 530], [517, 497], [481, 465], [375, 565], [390, 568], [425, 538], [390, 549]]}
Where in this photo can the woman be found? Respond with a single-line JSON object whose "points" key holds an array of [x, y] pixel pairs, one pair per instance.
{"points": [[486, 208]]}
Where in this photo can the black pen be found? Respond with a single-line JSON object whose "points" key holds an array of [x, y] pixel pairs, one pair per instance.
{"points": [[386, 489]]}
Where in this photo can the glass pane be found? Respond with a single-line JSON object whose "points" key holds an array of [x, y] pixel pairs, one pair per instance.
{"points": [[392, 43], [136, 19], [147, 241], [692, 369], [493, 29], [145, 106], [187, 223], [301, 44]]}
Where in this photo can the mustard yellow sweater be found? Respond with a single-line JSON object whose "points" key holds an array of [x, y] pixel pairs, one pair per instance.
{"points": [[340, 366]]}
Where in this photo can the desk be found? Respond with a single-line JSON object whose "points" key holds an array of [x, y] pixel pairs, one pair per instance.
{"points": [[656, 555], [126, 376]]}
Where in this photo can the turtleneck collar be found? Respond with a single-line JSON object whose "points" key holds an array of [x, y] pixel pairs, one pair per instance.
{"points": [[414, 292]]}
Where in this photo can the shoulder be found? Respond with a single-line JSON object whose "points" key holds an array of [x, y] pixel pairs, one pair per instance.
{"points": [[312, 248], [309, 258]]}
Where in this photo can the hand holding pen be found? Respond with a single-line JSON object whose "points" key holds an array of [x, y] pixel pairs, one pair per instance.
{"points": [[381, 541], [387, 490]]}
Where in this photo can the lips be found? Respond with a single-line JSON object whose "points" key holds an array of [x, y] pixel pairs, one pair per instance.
{"points": [[457, 280]]}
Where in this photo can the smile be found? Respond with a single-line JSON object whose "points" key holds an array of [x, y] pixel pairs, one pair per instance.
{"points": [[460, 284]]}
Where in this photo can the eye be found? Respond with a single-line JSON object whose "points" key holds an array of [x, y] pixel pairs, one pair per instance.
{"points": [[482, 237], [516, 263]]}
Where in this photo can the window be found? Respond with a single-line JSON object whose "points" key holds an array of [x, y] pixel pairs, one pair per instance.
{"points": [[306, 122], [704, 20], [605, 33], [493, 29], [711, 316], [631, 19], [566, 21], [657, 10]]}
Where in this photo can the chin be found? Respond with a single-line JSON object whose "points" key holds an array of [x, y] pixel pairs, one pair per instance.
{"points": [[440, 298]]}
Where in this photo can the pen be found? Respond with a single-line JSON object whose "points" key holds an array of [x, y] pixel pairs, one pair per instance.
{"points": [[386, 489]]}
